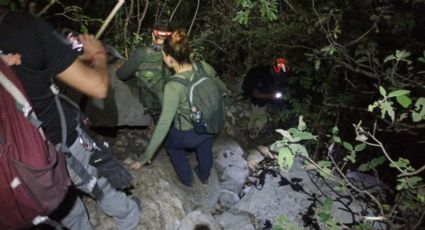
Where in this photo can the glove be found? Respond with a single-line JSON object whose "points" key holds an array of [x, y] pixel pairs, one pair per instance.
{"points": [[110, 167]]}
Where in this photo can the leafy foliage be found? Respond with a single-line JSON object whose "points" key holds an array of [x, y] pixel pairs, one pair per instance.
{"points": [[350, 61]]}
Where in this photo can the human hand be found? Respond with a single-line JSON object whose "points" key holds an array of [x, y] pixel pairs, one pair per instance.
{"points": [[141, 161], [11, 59], [136, 165], [92, 47]]}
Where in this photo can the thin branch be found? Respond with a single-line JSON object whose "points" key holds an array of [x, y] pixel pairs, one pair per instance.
{"points": [[158, 16], [175, 10], [412, 173], [381, 209], [194, 17], [140, 20], [45, 8], [127, 20], [419, 222], [381, 146], [290, 6], [362, 36]]}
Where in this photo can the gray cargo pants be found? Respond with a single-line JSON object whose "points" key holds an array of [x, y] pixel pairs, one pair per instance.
{"points": [[114, 203]]}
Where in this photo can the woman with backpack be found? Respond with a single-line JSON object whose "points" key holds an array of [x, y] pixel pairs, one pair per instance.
{"points": [[175, 116]]}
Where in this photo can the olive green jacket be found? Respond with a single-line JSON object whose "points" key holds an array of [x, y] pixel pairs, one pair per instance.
{"points": [[174, 107]]}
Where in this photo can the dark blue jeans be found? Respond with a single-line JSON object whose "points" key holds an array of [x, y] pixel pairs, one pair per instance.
{"points": [[177, 144]]}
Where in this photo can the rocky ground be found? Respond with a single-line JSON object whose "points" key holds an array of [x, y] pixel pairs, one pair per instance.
{"points": [[246, 189]]}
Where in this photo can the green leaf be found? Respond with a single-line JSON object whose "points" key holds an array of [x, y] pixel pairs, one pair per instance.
{"points": [[317, 64], [335, 130], [324, 164], [325, 170], [285, 158], [401, 163], [372, 164], [404, 101], [347, 146], [397, 93], [414, 180], [419, 113], [284, 133], [336, 139], [359, 147], [277, 227], [402, 54], [299, 149], [382, 91], [351, 157], [304, 136], [386, 108], [389, 58], [327, 204], [301, 124], [324, 216]]}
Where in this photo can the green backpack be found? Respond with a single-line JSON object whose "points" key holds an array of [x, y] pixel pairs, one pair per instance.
{"points": [[205, 101]]}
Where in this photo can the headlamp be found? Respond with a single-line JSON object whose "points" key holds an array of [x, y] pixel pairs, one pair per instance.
{"points": [[278, 95], [161, 33], [280, 65]]}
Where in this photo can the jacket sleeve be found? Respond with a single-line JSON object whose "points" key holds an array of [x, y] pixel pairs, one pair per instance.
{"points": [[127, 70], [173, 95]]}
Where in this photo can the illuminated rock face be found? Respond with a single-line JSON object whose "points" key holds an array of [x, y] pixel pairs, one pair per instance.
{"points": [[235, 197]]}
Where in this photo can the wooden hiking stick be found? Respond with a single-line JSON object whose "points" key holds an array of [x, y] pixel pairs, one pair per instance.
{"points": [[109, 18]]}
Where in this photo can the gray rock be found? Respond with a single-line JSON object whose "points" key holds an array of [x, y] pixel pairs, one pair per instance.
{"points": [[254, 158], [238, 221], [228, 198], [231, 167], [293, 193], [197, 218]]}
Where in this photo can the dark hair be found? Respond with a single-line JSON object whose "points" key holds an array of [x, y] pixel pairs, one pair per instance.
{"points": [[177, 46]]}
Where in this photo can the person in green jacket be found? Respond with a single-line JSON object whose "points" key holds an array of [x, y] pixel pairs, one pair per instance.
{"points": [[147, 65], [181, 135]]}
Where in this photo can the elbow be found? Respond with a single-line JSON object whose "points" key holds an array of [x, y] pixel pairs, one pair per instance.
{"points": [[102, 94], [101, 90]]}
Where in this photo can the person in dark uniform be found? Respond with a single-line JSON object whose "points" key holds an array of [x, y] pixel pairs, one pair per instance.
{"points": [[264, 85]]}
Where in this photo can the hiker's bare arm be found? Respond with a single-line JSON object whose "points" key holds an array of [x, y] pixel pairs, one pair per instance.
{"points": [[91, 80]]}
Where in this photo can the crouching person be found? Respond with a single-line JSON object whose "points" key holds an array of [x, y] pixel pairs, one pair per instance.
{"points": [[45, 58]]}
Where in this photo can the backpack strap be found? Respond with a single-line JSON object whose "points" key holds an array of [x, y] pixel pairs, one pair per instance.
{"points": [[180, 79], [198, 67], [184, 81], [22, 103], [76, 165]]}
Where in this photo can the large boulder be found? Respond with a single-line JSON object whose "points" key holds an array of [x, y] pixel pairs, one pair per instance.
{"points": [[296, 194], [230, 164]]}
